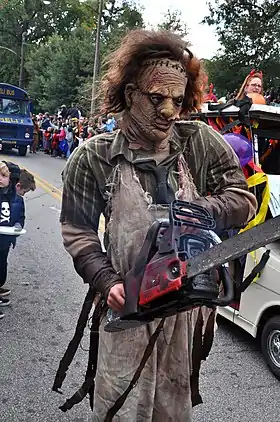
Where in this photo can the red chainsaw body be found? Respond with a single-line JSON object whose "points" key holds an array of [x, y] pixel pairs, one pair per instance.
{"points": [[163, 274]]}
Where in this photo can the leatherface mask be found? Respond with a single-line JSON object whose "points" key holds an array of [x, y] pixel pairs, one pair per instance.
{"points": [[154, 103]]}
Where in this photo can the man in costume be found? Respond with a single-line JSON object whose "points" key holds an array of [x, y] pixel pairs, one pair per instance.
{"points": [[130, 176]]}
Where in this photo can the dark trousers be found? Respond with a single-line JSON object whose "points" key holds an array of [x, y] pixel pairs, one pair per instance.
{"points": [[3, 265]]}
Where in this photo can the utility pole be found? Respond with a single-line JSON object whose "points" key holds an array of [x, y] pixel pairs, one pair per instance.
{"points": [[96, 58], [21, 60]]}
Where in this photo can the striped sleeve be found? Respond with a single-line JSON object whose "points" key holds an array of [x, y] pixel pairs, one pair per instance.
{"points": [[82, 203]]}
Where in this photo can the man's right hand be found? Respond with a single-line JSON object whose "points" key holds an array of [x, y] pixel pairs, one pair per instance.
{"points": [[116, 297]]}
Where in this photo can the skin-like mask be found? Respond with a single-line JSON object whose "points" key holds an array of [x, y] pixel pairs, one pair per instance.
{"points": [[154, 105]]}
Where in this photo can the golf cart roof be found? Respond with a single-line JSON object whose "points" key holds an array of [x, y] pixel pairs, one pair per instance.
{"points": [[267, 117]]}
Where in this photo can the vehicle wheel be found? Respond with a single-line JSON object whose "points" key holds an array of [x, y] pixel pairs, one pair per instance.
{"points": [[22, 151], [270, 344]]}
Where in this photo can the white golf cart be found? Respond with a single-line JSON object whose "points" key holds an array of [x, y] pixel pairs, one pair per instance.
{"points": [[256, 308]]}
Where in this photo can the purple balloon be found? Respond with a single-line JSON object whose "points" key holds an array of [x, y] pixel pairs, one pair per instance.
{"points": [[242, 147]]}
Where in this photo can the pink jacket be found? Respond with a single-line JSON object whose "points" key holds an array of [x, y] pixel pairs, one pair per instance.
{"points": [[62, 135]]}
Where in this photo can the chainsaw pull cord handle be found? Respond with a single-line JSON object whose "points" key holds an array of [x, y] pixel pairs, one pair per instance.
{"points": [[228, 288]]}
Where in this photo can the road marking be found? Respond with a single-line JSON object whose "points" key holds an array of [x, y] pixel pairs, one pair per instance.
{"points": [[46, 183], [49, 190], [54, 191], [48, 187]]}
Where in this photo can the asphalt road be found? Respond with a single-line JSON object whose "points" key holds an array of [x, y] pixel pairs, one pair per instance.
{"points": [[46, 300]]}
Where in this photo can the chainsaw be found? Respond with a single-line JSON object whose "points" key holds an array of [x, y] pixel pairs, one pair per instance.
{"points": [[184, 267], [159, 285]]}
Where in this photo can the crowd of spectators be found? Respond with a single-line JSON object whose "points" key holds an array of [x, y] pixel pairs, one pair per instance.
{"points": [[59, 134]]}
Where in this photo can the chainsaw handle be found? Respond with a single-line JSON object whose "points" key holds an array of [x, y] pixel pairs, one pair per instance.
{"points": [[228, 288], [183, 213]]}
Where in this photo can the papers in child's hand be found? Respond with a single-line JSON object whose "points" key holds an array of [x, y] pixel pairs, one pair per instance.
{"points": [[11, 231]]}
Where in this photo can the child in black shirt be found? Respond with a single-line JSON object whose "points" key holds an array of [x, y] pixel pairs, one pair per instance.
{"points": [[14, 183]]}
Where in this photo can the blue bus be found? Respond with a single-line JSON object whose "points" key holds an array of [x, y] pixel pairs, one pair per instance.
{"points": [[16, 126]]}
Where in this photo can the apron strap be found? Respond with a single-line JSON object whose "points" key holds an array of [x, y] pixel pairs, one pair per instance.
{"points": [[89, 383], [74, 343]]}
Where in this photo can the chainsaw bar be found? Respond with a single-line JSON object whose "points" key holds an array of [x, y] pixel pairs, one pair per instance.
{"points": [[235, 247]]}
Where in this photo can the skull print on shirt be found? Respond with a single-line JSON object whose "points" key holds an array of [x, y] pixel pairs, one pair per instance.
{"points": [[5, 213]]}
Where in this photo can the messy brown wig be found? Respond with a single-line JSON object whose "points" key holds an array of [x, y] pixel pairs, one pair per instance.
{"points": [[124, 66]]}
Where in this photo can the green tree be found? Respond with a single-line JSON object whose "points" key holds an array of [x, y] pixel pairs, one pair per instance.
{"points": [[172, 21], [249, 33], [225, 77], [38, 20], [61, 67], [119, 17]]}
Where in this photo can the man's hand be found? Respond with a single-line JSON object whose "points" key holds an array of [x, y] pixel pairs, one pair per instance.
{"points": [[116, 297], [188, 229]]}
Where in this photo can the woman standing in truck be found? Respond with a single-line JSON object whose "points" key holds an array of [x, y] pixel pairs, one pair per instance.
{"points": [[253, 84]]}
